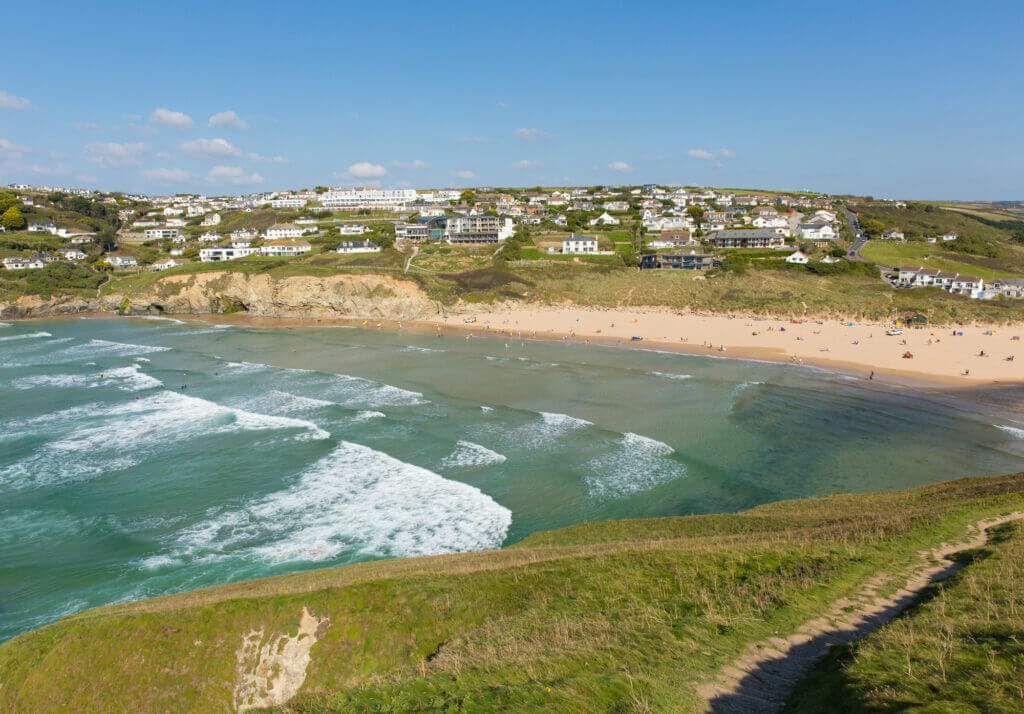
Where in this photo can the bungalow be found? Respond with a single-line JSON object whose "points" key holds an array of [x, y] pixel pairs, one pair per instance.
{"points": [[211, 237], [225, 252], [772, 221], [816, 231], [672, 239], [43, 227], [579, 245], [71, 253], [756, 238], [684, 261], [952, 235], [244, 234], [177, 252], [358, 246], [82, 238], [122, 262], [797, 258], [165, 264], [617, 206], [605, 219], [893, 235], [285, 248], [560, 220], [353, 229], [280, 231], [23, 264]]}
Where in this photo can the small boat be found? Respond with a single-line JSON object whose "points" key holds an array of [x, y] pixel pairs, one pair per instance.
{"points": [[894, 331], [636, 338]]}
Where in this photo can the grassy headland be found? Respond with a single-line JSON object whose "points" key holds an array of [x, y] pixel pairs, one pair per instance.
{"points": [[618, 616]]}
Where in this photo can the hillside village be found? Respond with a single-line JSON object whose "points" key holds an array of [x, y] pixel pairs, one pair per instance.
{"points": [[648, 227]]}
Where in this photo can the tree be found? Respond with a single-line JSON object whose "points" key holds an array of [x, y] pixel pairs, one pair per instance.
{"points": [[467, 196], [12, 219], [8, 200], [697, 214]]}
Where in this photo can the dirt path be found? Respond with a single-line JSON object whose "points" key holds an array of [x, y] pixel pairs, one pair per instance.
{"points": [[764, 676]]}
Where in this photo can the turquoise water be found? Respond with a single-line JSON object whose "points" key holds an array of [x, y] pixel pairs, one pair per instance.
{"points": [[142, 457]]}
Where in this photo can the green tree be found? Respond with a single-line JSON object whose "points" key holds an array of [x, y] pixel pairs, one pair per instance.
{"points": [[12, 219], [467, 196], [697, 214], [7, 200]]}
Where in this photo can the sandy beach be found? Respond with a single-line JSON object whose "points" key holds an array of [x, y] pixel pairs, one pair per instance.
{"points": [[963, 355]]}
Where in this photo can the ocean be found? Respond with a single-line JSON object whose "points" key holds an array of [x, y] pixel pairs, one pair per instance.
{"points": [[140, 457]]}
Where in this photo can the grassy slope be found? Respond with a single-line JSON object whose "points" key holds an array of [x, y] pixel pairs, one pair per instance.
{"points": [[961, 650], [620, 616]]}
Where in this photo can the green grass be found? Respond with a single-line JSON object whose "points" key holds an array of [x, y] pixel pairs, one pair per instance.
{"points": [[961, 650], [619, 616], [934, 256]]}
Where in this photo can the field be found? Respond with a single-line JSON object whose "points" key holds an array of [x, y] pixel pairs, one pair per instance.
{"points": [[617, 616], [935, 256]]}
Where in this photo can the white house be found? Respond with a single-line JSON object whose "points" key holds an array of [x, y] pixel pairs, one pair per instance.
{"points": [[358, 246], [212, 219], [210, 237], [952, 235], [281, 231], [816, 231], [353, 229], [579, 245], [798, 258], [123, 262], [71, 254], [285, 248], [165, 264], [82, 238], [224, 252], [605, 219], [163, 233], [23, 264], [893, 235], [43, 227]]}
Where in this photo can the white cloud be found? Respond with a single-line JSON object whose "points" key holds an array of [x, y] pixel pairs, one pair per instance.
{"points": [[527, 164], [9, 101], [364, 169], [253, 156], [414, 164], [164, 175], [210, 147], [503, 105], [233, 174], [179, 120], [110, 154], [705, 155], [621, 167], [463, 174], [532, 134], [227, 119], [11, 152]]}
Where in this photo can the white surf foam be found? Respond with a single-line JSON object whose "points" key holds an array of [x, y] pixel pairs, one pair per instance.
{"points": [[468, 454], [639, 463], [114, 438], [358, 392], [353, 499], [25, 336], [368, 414], [671, 375], [164, 319], [4, 324], [129, 379], [486, 410], [563, 421], [1011, 430], [426, 350]]}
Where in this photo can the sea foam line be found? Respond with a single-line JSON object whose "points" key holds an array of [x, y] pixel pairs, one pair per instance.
{"points": [[468, 454], [25, 336], [353, 500], [638, 463]]}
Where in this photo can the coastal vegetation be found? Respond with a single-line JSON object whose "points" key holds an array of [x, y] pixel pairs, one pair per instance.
{"points": [[619, 616]]}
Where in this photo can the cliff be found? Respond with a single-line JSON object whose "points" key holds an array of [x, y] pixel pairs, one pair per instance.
{"points": [[357, 296]]}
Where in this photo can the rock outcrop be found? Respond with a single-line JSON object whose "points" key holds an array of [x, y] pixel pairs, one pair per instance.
{"points": [[301, 296]]}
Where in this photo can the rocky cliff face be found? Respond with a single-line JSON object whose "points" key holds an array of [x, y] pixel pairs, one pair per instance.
{"points": [[357, 296]]}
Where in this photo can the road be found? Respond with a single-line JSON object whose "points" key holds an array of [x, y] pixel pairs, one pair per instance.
{"points": [[861, 237]]}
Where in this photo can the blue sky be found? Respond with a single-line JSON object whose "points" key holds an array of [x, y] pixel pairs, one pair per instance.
{"points": [[902, 99]]}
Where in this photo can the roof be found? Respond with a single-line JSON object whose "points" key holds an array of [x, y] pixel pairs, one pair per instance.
{"points": [[740, 233], [286, 241]]}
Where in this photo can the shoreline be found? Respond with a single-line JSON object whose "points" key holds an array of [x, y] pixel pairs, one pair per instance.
{"points": [[852, 349]]}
